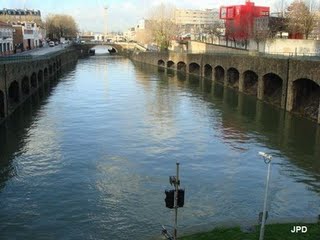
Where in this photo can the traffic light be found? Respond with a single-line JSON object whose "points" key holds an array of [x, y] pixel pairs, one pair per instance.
{"points": [[170, 198], [180, 197]]}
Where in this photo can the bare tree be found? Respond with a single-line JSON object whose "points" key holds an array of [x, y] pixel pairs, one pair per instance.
{"points": [[300, 19], [214, 31], [163, 28], [61, 25], [260, 36]]}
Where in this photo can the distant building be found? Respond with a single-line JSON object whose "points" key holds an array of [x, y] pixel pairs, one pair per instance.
{"points": [[20, 15], [240, 19], [195, 20], [6, 38], [130, 34], [28, 36], [143, 31], [197, 17]]}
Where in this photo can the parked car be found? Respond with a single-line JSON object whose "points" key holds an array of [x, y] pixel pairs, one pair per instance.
{"points": [[51, 44]]}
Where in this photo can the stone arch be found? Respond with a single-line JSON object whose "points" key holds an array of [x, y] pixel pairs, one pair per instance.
{"points": [[272, 88], [50, 69], [54, 67], [25, 85], [219, 74], [161, 63], [2, 109], [208, 71], [14, 95], [250, 82], [233, 77], [34, 80], [170, 64], [194, 68], [45, 73], [306, 97], [40, 77], [181, 66]]}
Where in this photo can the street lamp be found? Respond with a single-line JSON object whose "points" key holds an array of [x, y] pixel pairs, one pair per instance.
{"points": [[267, 159]]}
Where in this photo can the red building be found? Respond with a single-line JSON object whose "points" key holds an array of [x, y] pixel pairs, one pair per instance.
{"points": [[239, 19]]}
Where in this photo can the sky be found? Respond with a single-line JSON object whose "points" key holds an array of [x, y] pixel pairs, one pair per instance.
{"points": [[121, 14]]}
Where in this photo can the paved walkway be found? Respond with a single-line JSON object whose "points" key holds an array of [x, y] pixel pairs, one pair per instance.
{"points": [[43, 51]]}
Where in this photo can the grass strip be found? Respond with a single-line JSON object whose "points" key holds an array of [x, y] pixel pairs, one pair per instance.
{"points": [[272, 232]]}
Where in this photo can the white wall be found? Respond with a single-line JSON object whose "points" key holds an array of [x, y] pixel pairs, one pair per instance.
{"points": [[293, 46]]}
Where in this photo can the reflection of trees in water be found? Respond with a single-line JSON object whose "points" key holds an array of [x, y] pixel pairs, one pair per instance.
{"points": [[15, 128]]}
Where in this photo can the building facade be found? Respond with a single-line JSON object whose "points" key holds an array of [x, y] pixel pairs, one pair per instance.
{"points": [[240, 19], [28, 36], [20, 15], [6, 38], [195, 21], [193, 17]]}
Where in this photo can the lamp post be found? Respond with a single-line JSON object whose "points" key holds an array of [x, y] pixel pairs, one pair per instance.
{"points": [[267, 159], [106, 21]]}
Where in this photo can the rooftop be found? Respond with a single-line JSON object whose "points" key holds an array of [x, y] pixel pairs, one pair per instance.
{"points": [[21, 12]]}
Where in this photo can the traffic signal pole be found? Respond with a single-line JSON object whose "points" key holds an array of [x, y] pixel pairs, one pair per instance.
{"points": [[174, 200]]}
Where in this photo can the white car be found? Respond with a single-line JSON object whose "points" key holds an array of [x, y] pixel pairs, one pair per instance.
{"points": [[51, 44]]}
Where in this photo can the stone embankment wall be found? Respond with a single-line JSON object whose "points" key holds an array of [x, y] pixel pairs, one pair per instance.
{"points": [[291, 84], [19, 79]]}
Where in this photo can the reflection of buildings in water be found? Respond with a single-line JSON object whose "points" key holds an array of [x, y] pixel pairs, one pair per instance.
{"points": [[15, 130]]}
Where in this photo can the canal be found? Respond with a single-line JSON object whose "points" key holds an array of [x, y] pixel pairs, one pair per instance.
{"points": [[88, 157]]}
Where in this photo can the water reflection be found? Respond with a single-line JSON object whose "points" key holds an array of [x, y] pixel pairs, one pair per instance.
{"points": [[92, 160], [16, 129], [243, 119]]}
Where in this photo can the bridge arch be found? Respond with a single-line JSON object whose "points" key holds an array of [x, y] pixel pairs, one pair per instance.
{"points": [[161, 63], [219, 74], [208, 71], [14, 95], [306, 97], [181, 66], [250, 82], [50, 69], [40, 77], [2, 109], [34, 80], [45, 73], [233, 77], [25, 85], [194, 68], [54, 67], [170, 64], [273, 85]]}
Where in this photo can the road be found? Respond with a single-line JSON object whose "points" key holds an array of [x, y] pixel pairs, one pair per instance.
{"points": [[44, 50]]}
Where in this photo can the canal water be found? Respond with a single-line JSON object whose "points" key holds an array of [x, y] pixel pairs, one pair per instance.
{"points": [[89, 156]]}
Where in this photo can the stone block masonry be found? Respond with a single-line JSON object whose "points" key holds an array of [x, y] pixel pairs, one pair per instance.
{"points": [[292, 84], [19, 79]]}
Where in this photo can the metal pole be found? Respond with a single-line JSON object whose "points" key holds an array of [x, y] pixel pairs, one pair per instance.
{"points": [[176, 204], [267, 159]]}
